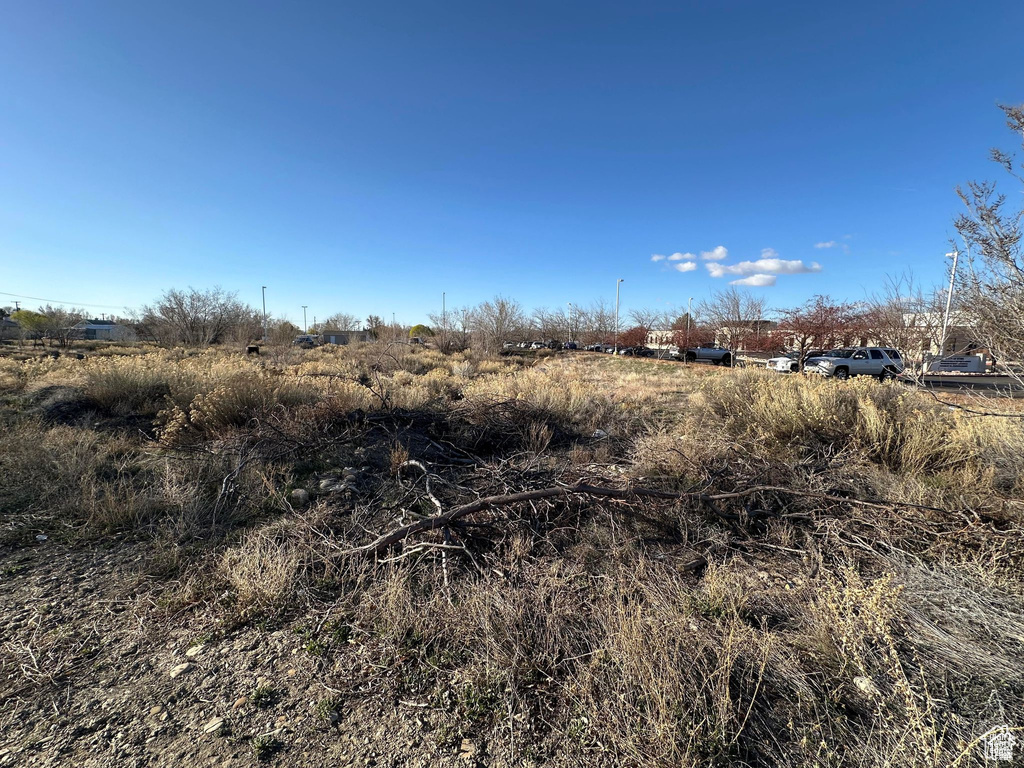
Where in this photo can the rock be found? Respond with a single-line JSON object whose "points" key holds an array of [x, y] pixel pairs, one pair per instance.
{"points": [[867, 686], [156, 710], [214, 726], [180, 669], [599, 434], [300, 498], [195, 650], [41, 537]]}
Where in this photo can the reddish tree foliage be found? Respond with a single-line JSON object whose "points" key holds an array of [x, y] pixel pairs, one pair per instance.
{"points": [[698, 336], [766, 341], [820, 324], [634, 337]]}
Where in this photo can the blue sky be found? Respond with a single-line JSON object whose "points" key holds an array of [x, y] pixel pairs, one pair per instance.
{"points": [[365, 157]]}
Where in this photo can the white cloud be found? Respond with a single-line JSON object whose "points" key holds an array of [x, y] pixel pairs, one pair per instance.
{"points": [[686, 266], [681, 257], [717, 253], [829, 244], [769, 253], [768, 264], [760, 281], [657, 257]]}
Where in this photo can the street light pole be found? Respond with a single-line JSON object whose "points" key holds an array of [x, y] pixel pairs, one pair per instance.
{"points": [[305, 328], [264, 314], [569, 305], [949, 301], [617, 283]]}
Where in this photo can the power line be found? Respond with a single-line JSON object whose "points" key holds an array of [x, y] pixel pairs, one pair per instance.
{"points": [[71, 303]]}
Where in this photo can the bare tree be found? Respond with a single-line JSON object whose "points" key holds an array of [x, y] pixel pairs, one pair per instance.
{"points": [[194, 317], [58, 323], [904, 315], [734, 315], [451, 329], [374, 324], [550, 324], [497, 321], [597, 322], [992, 283], [341, 321], [281, 331], [821, 323]]}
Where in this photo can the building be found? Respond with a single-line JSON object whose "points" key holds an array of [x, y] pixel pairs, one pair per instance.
{"points": [[103, 330], [9, 328], [334, 336]]}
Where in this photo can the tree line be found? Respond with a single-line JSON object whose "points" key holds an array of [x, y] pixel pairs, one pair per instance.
{"points": [[902, 313]]}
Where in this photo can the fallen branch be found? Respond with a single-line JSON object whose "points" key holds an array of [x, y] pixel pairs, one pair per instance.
{"points": [[388, 540]]}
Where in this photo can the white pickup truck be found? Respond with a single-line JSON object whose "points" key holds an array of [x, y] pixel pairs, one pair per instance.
{"points": [[883, 362]]}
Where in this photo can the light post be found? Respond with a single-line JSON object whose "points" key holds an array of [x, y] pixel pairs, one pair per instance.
{"points": [[264, 314], [617, 283], [569, 316], [305, 328], [949, 302]]}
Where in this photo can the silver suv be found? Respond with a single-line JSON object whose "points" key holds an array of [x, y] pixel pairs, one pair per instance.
{"points": [[883, 362]]}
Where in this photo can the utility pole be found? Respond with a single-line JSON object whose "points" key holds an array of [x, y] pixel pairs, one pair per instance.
{"points": [[444, 323], [949, 301], [305, 328], [617, 283], [569, 316], [264, 314]]}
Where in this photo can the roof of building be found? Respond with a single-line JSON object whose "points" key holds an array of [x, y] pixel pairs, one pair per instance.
{"points": [[94, 323]]}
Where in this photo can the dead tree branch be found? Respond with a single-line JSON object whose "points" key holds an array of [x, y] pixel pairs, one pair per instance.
{"points": [[388, 540]]}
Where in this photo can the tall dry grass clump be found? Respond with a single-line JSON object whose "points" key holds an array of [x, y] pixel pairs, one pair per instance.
{"points": [[888, 424]]}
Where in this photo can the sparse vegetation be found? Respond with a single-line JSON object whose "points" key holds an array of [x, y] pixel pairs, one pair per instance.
{"points": [[782, 627]]}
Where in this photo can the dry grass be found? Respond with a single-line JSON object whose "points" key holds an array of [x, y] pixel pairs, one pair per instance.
{"points": [[809, 633]]}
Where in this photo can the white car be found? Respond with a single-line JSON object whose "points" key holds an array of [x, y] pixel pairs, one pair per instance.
{"points": [[789, 363], [883, 362]]}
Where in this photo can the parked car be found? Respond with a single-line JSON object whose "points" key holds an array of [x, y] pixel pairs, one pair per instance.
{"points": [[571, 345], [508, 345], [716, 355], [790, 361], [636, 352], [538, 345], [883, 362], [307, 341]]}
